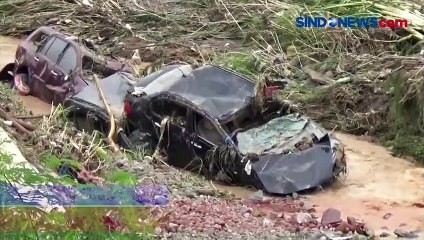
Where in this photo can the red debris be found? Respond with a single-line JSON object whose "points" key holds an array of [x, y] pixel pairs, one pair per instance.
{"points": [[110, 223]]}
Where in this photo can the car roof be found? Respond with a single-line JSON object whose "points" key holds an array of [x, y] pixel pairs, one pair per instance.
{"points": [[215, 90], [53, 31]]}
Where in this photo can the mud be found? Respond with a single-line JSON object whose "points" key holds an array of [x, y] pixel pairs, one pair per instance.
{"points": [[377, 184]]}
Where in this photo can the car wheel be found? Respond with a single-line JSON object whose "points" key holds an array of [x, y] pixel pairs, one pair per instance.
{"points": [[21, 83]]}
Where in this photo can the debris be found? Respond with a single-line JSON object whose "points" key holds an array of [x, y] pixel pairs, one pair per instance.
{"points": [[112, 128], [127, 26], [384, 234], [331, 216], [405, 234], [387, 216], [32, 117], [419, 204], [344, 80], [257, 196], [267, 223], [345, 227], [16, 123], [206, 192], [316, 76], [110, 222], [303, 218], [8, 123], [87, 177]]}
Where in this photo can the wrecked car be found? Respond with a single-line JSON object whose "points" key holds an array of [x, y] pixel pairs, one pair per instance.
{"points": [[52, 66], [212, 120]]}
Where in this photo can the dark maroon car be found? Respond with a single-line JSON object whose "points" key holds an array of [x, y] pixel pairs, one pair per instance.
{"points": [[52, 66]]}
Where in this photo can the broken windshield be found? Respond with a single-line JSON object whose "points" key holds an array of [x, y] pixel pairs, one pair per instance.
{"points": [[271, 134]]}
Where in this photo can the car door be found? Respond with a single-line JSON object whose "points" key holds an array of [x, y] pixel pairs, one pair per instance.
{"points": [[47, 58], [203, 139], [198, 141], [38, 66], [175, 139], [62, 75]]}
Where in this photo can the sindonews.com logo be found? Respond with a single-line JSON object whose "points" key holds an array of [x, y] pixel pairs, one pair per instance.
{"points": [[350, 22]]}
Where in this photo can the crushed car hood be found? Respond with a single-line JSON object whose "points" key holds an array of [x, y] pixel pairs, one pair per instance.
{"points": [[215, 90], [295, 154]]}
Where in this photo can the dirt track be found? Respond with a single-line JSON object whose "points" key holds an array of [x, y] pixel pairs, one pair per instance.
{"points": [[377, 183]]}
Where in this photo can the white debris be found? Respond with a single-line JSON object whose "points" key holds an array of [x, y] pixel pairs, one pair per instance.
{"points": [[8, 123], [87, 3], [127, 26]]}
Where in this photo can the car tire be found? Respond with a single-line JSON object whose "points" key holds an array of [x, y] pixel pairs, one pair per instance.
{"points": [[21, 83]]}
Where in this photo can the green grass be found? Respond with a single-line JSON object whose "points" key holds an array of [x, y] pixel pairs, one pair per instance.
{"points": [[405, 133]]}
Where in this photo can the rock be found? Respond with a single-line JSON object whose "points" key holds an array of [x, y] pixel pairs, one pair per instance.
{"points": [[303, 218], [384, 234], [295, 195], [352, 221], [330, 216], [369, 232], [172, 225], [244, 209], [267, 223], [286, 217], [191, 195], [405, 234], [258, 196], [345, 227]]}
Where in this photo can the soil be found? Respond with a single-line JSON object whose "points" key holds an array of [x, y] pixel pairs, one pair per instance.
{"points": [[378, 185]]}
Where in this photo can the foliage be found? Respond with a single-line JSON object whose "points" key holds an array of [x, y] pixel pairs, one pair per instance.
{"points": [[121, 177]]}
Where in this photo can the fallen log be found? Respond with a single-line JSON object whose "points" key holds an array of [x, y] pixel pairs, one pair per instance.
{"points": [[112, 128], [15, 123]]}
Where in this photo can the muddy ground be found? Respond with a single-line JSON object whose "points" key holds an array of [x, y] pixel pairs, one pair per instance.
{"points": [[385, 191]]}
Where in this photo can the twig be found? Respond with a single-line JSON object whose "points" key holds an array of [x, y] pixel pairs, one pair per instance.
{"points": [[111, 117], [32, 117]]}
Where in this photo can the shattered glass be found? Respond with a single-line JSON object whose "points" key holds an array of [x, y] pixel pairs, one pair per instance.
{"points": [[276, 131]]}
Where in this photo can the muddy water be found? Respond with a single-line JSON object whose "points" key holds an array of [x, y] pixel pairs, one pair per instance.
{"points": [[377, 184]]}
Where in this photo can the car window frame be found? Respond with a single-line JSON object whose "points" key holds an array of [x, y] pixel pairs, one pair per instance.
{"points": [[31, 40], [39, 50], [194, 115], [160, 117], [63, 54]]}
